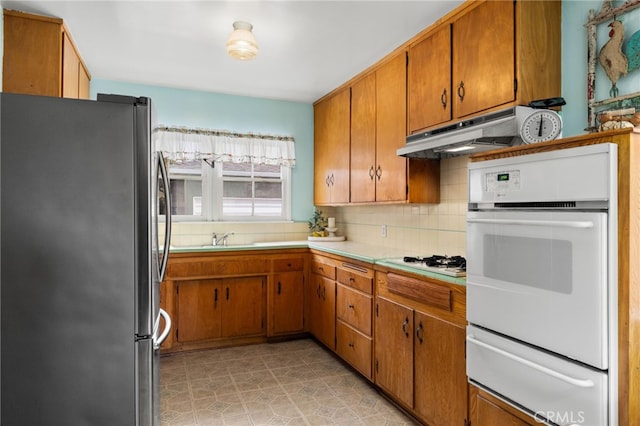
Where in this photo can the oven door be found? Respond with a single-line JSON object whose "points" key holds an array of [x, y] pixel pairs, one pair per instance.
{"points": [[541, 277]]}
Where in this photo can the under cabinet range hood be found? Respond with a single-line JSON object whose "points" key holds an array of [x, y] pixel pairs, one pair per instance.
{"points": [[494, 130]]}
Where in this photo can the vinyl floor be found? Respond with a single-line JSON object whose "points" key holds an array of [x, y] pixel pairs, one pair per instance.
{"points": [[290, 383]]}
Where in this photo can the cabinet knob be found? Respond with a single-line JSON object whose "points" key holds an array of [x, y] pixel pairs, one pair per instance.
{"points": [[351, 345], [350, 306]]}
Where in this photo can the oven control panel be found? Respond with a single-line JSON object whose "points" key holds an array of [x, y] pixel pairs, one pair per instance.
{"points": [[502, 181]]}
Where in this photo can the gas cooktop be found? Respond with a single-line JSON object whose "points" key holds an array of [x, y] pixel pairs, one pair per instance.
{"points": [[453, 266]]}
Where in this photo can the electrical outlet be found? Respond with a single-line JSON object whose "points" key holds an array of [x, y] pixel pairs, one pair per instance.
{"points": [[383, 231]]}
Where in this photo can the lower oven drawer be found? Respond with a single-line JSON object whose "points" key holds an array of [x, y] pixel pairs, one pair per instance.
{"points": [[547, 386]]}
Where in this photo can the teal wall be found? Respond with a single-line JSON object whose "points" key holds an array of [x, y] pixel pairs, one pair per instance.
{"points": [[198, 109], [575, 14]]}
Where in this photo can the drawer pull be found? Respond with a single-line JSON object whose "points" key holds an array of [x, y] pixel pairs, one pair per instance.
{"points": [[351, 345], [350, 306], [279, 287], [354, 267]]}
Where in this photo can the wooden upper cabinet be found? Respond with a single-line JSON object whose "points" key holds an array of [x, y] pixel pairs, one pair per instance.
{"points": [[483, 58], [363, 139], [490, 55], [378, 130], [391, 130], [40, 58], [429, 84], [331, 149]]}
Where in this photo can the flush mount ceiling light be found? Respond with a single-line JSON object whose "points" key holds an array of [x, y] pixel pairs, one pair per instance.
{"points": [[242, 44]]}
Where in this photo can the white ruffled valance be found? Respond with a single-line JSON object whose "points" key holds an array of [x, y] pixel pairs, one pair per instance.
{"points": [[182, 145]]}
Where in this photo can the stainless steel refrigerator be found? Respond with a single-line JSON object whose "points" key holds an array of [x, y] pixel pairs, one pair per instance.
{"points": [[80, 261]]}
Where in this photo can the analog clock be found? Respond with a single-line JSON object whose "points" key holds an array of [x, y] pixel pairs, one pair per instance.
{"points": [[541, 126]]}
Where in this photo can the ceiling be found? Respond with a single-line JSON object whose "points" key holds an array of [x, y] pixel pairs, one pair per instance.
{"points": [[307, 48]]}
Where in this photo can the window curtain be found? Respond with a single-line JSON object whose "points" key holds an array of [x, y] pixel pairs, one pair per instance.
{"points": [[182, 145]]}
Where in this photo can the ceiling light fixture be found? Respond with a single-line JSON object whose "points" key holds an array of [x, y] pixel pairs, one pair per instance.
{"points": [[242, 44]]}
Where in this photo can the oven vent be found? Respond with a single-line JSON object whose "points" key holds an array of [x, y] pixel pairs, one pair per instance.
{"points": [[538, 205]]}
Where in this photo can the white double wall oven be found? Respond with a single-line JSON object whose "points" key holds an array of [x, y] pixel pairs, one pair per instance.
{"points": [[542, 283]]}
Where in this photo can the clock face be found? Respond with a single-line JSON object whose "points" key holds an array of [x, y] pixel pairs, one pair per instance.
{"points": [[541, 126]]}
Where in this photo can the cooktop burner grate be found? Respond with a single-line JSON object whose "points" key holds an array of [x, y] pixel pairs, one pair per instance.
{"points": [[445, 261]]}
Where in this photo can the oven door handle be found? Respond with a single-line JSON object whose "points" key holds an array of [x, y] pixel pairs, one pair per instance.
{"points": [[582, 224], [583, 383]]}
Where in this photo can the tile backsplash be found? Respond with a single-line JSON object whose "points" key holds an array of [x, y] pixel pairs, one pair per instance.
{"points": [[417, 229]]}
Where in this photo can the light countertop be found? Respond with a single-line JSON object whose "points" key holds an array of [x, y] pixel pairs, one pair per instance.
{"points": [[364, 252]]}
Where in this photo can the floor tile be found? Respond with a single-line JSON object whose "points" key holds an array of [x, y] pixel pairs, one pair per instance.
{"points": [[297, 383]]}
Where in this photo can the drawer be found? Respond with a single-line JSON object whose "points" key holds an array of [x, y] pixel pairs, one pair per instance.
{"points": [[323, 269], [284, 265], [356, 280], [355, 348], [354, 308], [217, 267]]}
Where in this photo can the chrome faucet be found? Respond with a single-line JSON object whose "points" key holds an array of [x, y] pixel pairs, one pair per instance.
{"points": [[214, 241], [224, 238]]}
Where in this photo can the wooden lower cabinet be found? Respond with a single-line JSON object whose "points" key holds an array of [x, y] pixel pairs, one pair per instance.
{"points": [[230, 307], [286, 303], [355, 348], [393, 349], [486, 410], [440, 380], [322, 307], [420, 361]]}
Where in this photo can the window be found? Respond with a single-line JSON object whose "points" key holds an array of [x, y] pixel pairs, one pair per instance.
{"points": [[230, 191], [224, 176]]}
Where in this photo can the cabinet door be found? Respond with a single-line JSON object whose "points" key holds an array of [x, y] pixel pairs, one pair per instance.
{"points": [[322, 317], [484, 58], [393, 349], [440, 371], [287, 296], [363, 139], [331, 149], [486, 412], [199, 310], [32, 52], [429, 77], [391, 130], [243, 306]]}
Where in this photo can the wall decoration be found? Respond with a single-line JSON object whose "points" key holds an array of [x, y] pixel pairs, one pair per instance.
{"points": [[618, 56]]}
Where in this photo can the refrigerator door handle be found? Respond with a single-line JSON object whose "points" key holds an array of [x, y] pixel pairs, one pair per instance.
{"points": [[167, 221], [158, 340]]}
